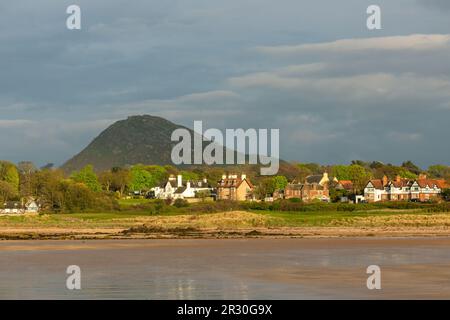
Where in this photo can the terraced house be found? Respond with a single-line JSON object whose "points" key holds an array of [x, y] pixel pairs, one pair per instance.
{"points": [[400, 189]]}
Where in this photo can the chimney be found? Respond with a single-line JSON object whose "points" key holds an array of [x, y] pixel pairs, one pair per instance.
{"points": [[180, 180], [188, 185], [422, 176], [205, 180], [385, 180], [397, 178], [243, 176], [224, 176]]}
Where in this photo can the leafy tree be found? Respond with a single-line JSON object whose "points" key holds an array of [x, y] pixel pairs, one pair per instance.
{"points": [[439, 171], [265, 187], [121, 178], [411, 167], [303, 171], [403, 173], [10, 174], [188, 175], [337, 194], [361, 163], [314, 168], [446, 194], [280, 182], [359, 176], [88, 177], [159, 174], [46, 187], [376, 165], [7, 192], [341, 172], [105, 178], [26, 170]]}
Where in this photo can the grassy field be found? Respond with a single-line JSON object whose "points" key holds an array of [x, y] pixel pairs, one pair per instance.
{"points": [[138, 219]]}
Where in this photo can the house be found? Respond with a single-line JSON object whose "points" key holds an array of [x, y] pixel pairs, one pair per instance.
{"points": [[307, 191], [235, 188], [400, 189], [192, 188], [315, 187], [19, 207], [346, 185], [320, 179], [175, 188]]}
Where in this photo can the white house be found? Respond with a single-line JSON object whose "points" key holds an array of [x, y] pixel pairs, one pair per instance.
{"points": [[16, 207], [421, 189], [175, 188]]}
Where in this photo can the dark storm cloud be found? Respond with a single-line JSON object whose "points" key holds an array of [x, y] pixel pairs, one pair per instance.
{"points": [[337, 91]]}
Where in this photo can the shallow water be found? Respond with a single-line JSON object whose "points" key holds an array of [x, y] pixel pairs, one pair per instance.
{"points": [[226, 269]]}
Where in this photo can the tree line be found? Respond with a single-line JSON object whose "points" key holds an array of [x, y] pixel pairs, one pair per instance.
{"points": [[86, 189]]}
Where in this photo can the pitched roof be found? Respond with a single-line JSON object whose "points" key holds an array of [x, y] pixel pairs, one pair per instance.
{"points": [[316, 178], [346, 184], [180, 190], [432, 182], [304, 186], [233, 183], [402, 183], [377, 183]]}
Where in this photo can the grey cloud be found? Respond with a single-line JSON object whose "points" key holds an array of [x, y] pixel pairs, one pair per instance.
{"points": [[334, 97], [435, 4]]}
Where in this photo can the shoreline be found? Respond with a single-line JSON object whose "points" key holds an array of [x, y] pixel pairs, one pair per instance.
{"points": [[213, 233]]}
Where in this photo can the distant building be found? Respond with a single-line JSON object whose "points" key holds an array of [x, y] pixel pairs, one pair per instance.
{"points": [[346, 185], [176, 188], [421, 189], [20, 207], [314, 188], [235, 188], [320, 179]]}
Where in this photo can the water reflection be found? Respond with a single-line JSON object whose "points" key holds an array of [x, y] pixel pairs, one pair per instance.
{"points": [[224, 269]]}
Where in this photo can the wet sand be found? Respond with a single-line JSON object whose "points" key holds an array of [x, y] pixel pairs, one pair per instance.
{"points": [[412, 268], [215, 233]]}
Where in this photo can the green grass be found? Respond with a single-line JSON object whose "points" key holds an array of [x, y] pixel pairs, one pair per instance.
{"points": [[141, 211], [324, 218], [133, 202]]}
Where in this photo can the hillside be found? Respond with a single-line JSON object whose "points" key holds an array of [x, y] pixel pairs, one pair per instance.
{"points": [[139, 139]]}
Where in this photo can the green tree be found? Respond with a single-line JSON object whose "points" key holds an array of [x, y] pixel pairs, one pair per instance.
{"points": [[341, 172], [188, 175], [141, 179], [359, 176], [88, 177], [10, 174], [303, 172], [280, 182], [265, 187], [314, 168], [106, 179], [121, 179], [411, 167], [26, 170], [7, 192], [446, 194], [404, 173], [439, 171]]}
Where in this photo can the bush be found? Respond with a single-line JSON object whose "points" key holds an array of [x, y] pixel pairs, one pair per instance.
{"points": [[180, 203]]}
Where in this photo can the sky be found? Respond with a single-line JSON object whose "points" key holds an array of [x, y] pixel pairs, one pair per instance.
{"points": [[336, 90]]}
